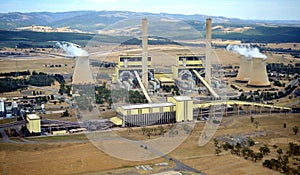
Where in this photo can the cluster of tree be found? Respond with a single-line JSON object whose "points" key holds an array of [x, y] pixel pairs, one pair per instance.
{"points": [[12, 74], [264, 96], [173, 88], [283, 69], [159, 130], [66, 114], [41, 79], [282, 163], [37, 92], [137, 97], [103, 95], [10, 85], [65, 89], [35, 79], [241, 149]]}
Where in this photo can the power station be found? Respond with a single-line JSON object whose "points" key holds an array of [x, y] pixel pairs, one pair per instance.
{"points": [[186, 74]]}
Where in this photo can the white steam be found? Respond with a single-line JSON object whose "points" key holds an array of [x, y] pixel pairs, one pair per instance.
{"points": [[72, 49], [246, 50]]}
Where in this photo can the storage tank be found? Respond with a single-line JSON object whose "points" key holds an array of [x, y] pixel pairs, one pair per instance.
{"points": [[2, 107], [259, 76], [244, 70]]}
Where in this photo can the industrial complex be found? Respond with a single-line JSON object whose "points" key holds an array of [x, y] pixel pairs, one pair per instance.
{"points": [[199, 88]]}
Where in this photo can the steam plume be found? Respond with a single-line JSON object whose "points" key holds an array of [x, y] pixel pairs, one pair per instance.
{"points": [[246, 50], [72, 49]]}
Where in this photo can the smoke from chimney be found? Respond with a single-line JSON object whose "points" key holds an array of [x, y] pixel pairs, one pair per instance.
{"points": [[72, 49], [246, 50]]}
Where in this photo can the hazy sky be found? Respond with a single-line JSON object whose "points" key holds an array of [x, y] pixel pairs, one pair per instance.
{"points": [[244, 9]]}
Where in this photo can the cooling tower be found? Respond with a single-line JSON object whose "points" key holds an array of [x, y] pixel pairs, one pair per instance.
{"points": [[82, 72], [259, 76], [145, 52], [208, 52], [244, 70]]}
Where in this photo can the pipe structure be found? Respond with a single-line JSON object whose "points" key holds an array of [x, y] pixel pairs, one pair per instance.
{"points": [[145, 52], [208, 52], [211, 91], [142, 87]]}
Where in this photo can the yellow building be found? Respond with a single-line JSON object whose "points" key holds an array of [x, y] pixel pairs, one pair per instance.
{"points": [[177, 109], [187, 62], [130, 63], [34, 123], [147, 114], [183, 107]]}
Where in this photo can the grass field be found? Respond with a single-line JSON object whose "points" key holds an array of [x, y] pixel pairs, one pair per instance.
{"points": [[61, 155]]}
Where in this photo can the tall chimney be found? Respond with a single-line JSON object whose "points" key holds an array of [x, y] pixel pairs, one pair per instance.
{"points": [[145, 52], [208, 52]]}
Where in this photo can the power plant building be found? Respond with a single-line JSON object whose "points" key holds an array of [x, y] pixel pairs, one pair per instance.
{"points": [[127, 65], [187, 63], [34, 123], [177, 109]]}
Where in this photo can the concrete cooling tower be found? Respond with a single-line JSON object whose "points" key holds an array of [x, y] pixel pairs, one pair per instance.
{"points": [[259, 76], [244, 70], [82, 72]]}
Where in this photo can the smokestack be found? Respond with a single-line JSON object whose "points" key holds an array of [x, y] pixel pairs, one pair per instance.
{"points": [[145, 52], [82, 72], [244, 70], [208, 52], [259, 76]]}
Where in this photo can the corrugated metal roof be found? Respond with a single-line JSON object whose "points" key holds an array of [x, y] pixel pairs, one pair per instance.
{"points": [[149, 105]]}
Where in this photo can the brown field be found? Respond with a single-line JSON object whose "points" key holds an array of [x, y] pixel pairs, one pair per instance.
{"points": [[81, 157]]}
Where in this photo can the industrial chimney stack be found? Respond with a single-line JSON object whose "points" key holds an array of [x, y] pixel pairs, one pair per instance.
{"points": [[145, 52], [259, 76], [208, 52], [244, 70]]}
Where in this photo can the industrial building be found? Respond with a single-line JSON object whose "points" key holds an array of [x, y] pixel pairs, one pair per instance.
{"points": [[2, 107], [34, 123], [176, 109], [124, 71]]}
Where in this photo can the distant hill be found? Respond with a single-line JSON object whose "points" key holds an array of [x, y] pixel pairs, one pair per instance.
{"points": [[92, 21], [44, 29]]}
